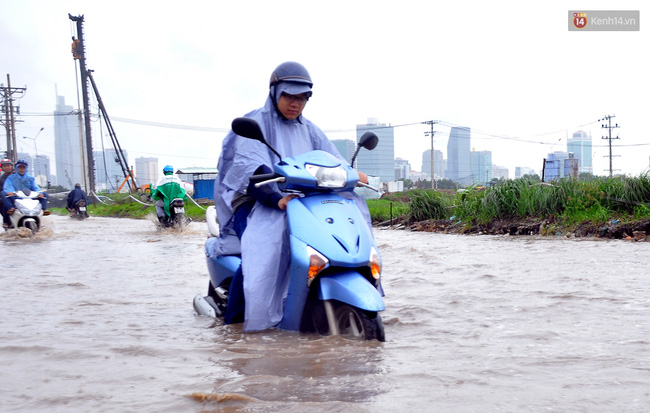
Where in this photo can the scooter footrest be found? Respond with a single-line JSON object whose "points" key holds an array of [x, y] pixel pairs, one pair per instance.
{"points": [[222, 293]]}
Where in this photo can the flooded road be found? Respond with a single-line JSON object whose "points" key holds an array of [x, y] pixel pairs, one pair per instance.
{"points": [[97, 316]]}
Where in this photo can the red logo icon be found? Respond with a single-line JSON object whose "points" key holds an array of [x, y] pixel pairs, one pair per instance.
{"points": [[580, 20]]}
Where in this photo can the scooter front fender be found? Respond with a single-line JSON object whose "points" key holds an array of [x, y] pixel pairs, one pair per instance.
{"points": [[351, 288]]}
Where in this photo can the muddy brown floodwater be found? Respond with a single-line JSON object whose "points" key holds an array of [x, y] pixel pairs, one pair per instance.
{"points": [[96, 316]]}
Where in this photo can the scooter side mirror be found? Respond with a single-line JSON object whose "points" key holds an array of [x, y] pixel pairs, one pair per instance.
{"points": [[369, 141], [249, 128]]}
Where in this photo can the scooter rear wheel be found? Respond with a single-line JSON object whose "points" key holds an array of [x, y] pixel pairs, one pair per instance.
{"points": [[178, 221]]}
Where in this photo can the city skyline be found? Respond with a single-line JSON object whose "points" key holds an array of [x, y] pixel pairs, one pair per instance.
{"points": [[523, 86], [346, 148]]}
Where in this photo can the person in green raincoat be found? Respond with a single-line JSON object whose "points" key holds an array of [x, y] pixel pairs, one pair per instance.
{"points": [[169, 187]]}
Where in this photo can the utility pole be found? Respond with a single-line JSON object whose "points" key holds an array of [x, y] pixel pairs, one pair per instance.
{"points": [[432, 134], [9, 110], [609, 127], [79, 53]]}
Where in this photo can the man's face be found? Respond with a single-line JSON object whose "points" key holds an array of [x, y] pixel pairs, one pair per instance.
{"points": [[7, 168], [291, 106], [21, 169]]}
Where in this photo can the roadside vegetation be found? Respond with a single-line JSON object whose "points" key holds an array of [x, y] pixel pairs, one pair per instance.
{"points": [[521, 206], [526, 205], [123, 206]]}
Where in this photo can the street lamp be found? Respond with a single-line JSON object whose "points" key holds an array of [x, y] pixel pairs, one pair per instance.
{"points": [[37, 173]]}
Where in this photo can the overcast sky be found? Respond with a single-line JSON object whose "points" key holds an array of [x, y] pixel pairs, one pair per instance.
{"points": [[510, 70]]}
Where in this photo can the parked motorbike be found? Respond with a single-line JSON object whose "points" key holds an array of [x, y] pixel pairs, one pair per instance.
{"points": [[176, 219], [79, 211], [28, 211], [334, 286]]}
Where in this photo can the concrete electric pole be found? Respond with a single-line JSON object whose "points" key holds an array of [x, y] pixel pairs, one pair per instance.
{"points": [[7, 117], [79, 53], [432, 134], [609, 127]]}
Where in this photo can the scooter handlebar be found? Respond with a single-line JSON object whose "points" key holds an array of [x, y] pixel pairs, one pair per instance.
{"points": [[261, 177], [270, 181], [367, 186]]}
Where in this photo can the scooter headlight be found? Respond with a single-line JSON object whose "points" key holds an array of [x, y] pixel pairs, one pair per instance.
{"points": [[375, 264], [334, 177], [317, 263]]}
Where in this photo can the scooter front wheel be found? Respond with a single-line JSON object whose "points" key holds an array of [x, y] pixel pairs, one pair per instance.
{"points": [[353, 323], [32, 226]]}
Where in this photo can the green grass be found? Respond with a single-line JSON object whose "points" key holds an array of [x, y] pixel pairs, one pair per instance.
{"points": [[380, 209], [122, 206], [570, 200]]}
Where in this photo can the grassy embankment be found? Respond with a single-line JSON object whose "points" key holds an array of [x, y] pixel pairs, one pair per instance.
{"points": [[563, 205]]}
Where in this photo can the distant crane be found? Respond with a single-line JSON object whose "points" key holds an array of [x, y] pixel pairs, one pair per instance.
{"points": [[129, 178]]}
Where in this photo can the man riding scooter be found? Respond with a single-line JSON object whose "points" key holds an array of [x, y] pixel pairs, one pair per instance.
{"points": [[169, 187], [251, 214], [75, 196], [22, 181], [7, 169]]}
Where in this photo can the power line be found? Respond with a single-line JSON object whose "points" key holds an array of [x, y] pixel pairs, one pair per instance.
{"points": [[224, 130], [170, 125], [515, 138]]}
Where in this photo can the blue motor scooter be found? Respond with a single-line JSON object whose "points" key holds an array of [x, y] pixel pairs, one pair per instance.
{"points": [[334, 286]]}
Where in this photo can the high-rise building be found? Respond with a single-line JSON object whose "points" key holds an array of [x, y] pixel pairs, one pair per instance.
{"points": [[402, 169], [481, 167], [554, 165], [108, 172], [67, 146], [581, 147], [552, 168], [439, 163], [520, 171], [458, 155], [345, 147], [571, 166], [41, 170], [561, 165], [500, 172], [146, 170], [380, 161]]}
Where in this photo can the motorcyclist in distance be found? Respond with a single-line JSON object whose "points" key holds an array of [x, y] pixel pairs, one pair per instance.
{"points": [[7, 169], [76, 195], [21, 181], [169, 187]]}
